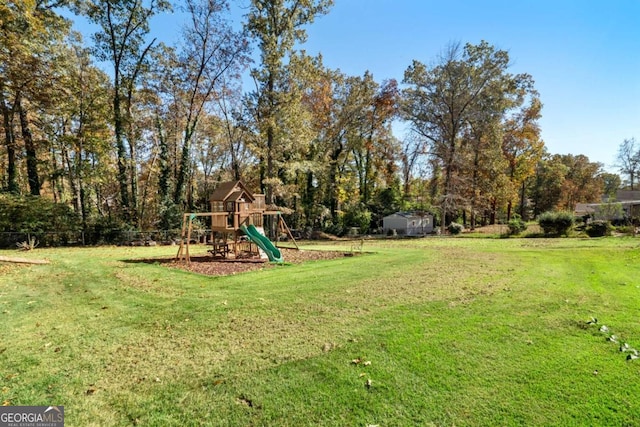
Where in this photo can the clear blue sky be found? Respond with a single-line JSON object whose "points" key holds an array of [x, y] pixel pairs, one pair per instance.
{"points": [[584, 55]]}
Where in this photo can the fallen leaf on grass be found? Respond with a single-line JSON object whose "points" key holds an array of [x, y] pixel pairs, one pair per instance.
{"points": [[244, 401]]}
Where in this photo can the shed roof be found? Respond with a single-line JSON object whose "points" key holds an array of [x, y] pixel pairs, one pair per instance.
{"points": [[407, 215]]}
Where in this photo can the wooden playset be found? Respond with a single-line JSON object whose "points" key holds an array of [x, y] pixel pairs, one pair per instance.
{"points": [[236, 215]]}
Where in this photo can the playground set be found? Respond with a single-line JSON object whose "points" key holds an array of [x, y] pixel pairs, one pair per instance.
{"points": [[237, 220]]}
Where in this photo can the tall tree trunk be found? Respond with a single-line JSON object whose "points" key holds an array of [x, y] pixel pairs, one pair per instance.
{"points": [[309, 197], [474, 187], [448, 179], [71, 173], [12, 173], [118, 123], [30, 150], [133, 158], [522, 194], [269, 196], [366, 192], [133, 179], [183, 170], [165, 167], [333, 183]]}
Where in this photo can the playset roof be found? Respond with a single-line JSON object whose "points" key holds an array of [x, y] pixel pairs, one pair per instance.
{"points": [[232, 190]]}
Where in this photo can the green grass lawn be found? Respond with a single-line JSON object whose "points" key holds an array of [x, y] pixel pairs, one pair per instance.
{"points": [[437, 331]]}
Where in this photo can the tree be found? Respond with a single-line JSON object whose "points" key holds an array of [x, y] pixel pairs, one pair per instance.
{"points": [[582, 183], [522, 148], [278, 26], [122, 42], [29, 32], [563, 180], [212, 52], [442, 101], [546, 184], [413, 149], [628, 160], [372, 143], [76, 126], [612, 183]]}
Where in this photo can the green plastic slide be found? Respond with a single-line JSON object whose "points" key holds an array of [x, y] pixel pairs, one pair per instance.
{"points": [[263, 243]]}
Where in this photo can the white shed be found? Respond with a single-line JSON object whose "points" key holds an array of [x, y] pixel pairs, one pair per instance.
{"points": [[408, 224]]}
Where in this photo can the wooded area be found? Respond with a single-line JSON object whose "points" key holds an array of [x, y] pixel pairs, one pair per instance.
{"points": [[138, 143]]}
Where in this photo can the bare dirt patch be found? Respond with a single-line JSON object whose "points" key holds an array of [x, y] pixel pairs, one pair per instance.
{"points": [[217, 266]]}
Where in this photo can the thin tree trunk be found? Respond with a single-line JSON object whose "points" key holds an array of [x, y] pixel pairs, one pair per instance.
{"points": [[183, 170], [333, 183], [30, 150], [12, 174], [133, 179], [165, 168], [122, 153], [447, 185], [270, 139], [522, 194], [71, 172]]}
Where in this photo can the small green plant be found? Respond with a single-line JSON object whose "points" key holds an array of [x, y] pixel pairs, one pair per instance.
{"points": [[516, 226], [30, 244], [556, 223], [598, 228], [455, 228]]}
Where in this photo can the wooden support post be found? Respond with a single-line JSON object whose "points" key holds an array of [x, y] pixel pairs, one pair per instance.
{"points": [[285, 228], [188, 257], [180, 254]]}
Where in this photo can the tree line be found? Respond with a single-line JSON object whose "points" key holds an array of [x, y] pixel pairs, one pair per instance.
{"points": [[130, 132]]}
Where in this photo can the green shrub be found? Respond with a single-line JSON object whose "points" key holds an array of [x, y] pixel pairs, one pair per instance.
{"points": [[455, 228], [516, 226], [33, 214], [629, 230], [357, 216], [556, 223], [598, 228], [53, 223]]}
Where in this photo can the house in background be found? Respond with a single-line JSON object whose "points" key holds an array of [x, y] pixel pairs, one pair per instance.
{"points": [[625, 206], [408, 224]]}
